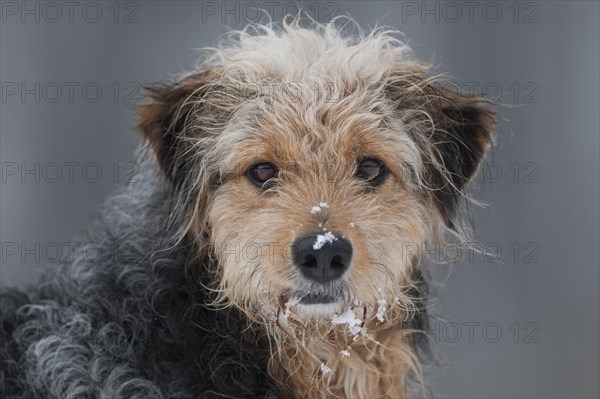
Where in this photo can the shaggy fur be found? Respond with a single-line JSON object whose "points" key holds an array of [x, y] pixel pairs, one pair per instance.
{"points": [[192, 290]]}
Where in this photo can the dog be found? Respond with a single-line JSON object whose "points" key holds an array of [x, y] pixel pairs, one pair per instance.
{"points": [[262, 250]]}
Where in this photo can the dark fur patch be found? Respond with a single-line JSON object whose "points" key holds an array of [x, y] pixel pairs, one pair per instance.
{"points": [[164, 120], [461, 133], [130, 322], [419, 320]]}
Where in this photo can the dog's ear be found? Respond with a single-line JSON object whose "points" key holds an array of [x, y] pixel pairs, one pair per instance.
{"points": [[166, 118], [462, 136], [454, 130]]}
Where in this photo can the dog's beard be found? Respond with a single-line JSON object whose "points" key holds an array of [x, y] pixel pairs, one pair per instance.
{"points": [[339, 329], [329, 314], [343, 311]]}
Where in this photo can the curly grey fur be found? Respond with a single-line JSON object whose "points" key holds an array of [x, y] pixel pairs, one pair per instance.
{"points": [[125, 319]]}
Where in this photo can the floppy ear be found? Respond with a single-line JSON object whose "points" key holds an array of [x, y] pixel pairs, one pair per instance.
{"points": [[453, 131], [166, 119], [463, 133]]}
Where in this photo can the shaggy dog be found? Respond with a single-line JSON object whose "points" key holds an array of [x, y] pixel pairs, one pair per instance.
{"points": [[267, 248]]}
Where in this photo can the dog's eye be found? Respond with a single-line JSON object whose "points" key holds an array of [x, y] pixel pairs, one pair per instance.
{"points": [[261, 173], [371, 170]]}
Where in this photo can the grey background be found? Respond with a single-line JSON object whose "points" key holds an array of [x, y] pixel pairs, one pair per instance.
{"points": [[544, 219]]}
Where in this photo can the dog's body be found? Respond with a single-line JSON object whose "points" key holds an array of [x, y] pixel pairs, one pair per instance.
{"points": [[271, 252], [122, 320]]}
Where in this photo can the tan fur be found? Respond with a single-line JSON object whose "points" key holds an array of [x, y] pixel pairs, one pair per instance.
{"points": [[312, 101]]}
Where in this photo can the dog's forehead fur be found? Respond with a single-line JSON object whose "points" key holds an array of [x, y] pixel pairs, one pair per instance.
{"points": [[307, 143], [314, 96], [320, 55]]}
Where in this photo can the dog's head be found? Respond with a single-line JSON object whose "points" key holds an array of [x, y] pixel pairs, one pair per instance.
{"points": [[316, 166]]}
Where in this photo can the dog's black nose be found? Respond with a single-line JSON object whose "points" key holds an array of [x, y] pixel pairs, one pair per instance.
{"points": [[322, 257]]}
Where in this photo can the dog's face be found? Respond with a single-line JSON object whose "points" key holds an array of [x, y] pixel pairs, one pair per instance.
{"points": [[317, 193], [314, 207]]}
